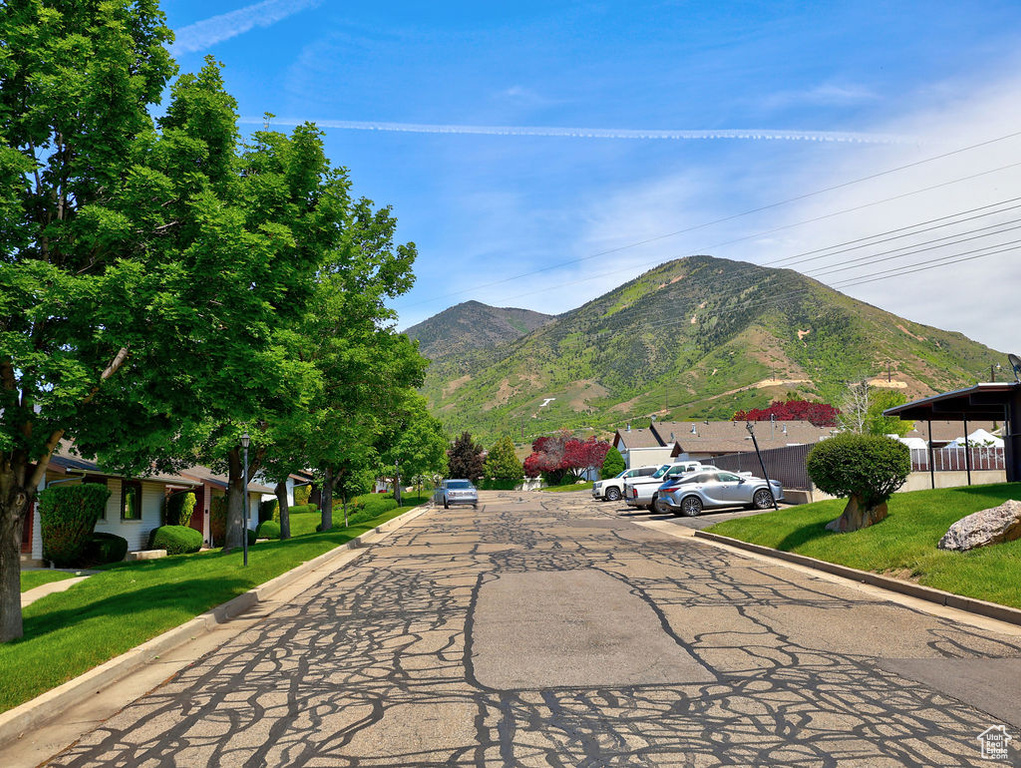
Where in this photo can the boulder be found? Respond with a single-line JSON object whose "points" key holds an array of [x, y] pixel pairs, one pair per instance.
{"points": [[990, 526]]}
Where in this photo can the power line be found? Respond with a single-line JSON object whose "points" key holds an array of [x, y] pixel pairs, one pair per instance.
{"points": [[749, 212]]}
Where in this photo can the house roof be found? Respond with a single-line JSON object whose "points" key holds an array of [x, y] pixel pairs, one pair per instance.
{"points": [[636, 438], [206, 475], [65, 462], [723, 437], [945, 431]]}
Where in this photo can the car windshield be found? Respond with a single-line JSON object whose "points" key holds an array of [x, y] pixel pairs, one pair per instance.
{"points": [[661, 471], [458, 484]]}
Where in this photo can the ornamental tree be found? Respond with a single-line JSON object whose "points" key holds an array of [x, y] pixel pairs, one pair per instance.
{"points": [[819, 414], [559, 455], [465, 459], [865, 469]]}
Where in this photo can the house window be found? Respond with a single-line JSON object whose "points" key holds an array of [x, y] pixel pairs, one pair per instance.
{"points": [[96, 481], [131, 500]]}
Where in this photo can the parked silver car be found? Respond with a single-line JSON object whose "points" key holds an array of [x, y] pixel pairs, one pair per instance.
{"points": [[456, 492], [711, 489]]}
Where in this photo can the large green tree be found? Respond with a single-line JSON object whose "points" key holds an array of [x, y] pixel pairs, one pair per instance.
{"points": [[89, 296], [503, 463]]}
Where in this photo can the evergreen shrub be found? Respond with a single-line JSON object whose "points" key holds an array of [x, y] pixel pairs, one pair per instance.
{"points": [[176, 539], [301, 509], [68, 513]]}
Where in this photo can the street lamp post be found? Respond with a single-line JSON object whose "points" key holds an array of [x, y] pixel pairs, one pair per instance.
{"points": [[992, 371], [245, 442]]}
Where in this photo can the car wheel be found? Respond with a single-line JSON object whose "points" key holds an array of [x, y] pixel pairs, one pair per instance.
{"points": [[475, 506], [446, 504], [762, 499], [613, 494], [691, 506], [662, 506]]}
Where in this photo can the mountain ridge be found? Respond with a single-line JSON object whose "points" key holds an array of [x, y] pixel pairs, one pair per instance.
{"points": [[473, 325], [699, 337]]}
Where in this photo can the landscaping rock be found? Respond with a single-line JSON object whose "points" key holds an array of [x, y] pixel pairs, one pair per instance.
{"points": [[990, 526]]}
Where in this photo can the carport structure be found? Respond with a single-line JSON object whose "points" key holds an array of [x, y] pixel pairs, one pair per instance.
{"points": [[994, 401]]}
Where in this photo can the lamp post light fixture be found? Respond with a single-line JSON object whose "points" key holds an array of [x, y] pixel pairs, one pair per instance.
{"points": [[245, 442], [992, 371]]}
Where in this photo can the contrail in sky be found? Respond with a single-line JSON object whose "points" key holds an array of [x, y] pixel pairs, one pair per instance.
{"points": [[208, 32], [602, 133]]}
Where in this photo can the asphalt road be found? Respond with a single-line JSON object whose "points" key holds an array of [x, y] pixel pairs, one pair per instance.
{"points": [[548, 630]]}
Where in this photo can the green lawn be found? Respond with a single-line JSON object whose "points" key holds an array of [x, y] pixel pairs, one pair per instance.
{"points": [[569, 488], [33, 579], [904, 543], [126, 604]]}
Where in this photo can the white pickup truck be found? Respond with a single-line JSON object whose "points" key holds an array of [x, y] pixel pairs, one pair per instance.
{"points": [[641, 491], [612, 489]]}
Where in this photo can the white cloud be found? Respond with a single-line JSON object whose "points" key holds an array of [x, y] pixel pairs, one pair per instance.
{"points": [[206, 33], [825, 94]]}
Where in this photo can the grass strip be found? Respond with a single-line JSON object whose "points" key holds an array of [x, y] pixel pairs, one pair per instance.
{"points": [[36, 578], [904, 544], [69, 633], [569, 488]]}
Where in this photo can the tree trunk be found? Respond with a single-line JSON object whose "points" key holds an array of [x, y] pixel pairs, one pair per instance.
{"points": [[236, 489], [857, 516], [15, 501], [280, 490], [326, 501]]}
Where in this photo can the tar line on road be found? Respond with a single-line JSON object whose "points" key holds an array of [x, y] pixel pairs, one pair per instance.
{"points": [[549, 630]]}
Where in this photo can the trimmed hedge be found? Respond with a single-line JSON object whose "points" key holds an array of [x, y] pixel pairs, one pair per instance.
{"points": [[302, 509], [176, 539], [268, 529], [103, 548], [179, 508], [68, 513]]}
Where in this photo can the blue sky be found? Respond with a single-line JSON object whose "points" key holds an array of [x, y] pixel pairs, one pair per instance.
{"points": [[845, 90]]}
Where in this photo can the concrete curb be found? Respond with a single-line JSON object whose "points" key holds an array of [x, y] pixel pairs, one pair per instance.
{"points": [[932, 595], [48, 706]]}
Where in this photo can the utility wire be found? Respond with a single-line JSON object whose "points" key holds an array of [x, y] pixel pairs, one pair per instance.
{"points": [[745, 213]]}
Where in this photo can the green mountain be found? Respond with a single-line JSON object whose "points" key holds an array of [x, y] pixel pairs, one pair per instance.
{"points": [[699, 337], [473, 325]]}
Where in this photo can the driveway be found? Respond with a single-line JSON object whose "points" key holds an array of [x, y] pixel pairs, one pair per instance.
{"points": [[546, 630]]}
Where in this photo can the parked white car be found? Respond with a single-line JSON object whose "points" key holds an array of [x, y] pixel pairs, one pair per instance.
{"points": [[612, 489], [712, 489], [641, 491]]}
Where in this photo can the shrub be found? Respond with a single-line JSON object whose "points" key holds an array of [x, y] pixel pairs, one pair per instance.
{"points": [[269, 510], [268, 529], [179, 508], [866, 469], [302, 494], [68, 514], [218, 520], [377, 504], [176, 539], [302, 509], [103, 548], [613, 464]]}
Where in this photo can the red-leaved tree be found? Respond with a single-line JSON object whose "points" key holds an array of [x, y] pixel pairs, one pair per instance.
{"points": [[556, 456], [819, 414]]}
